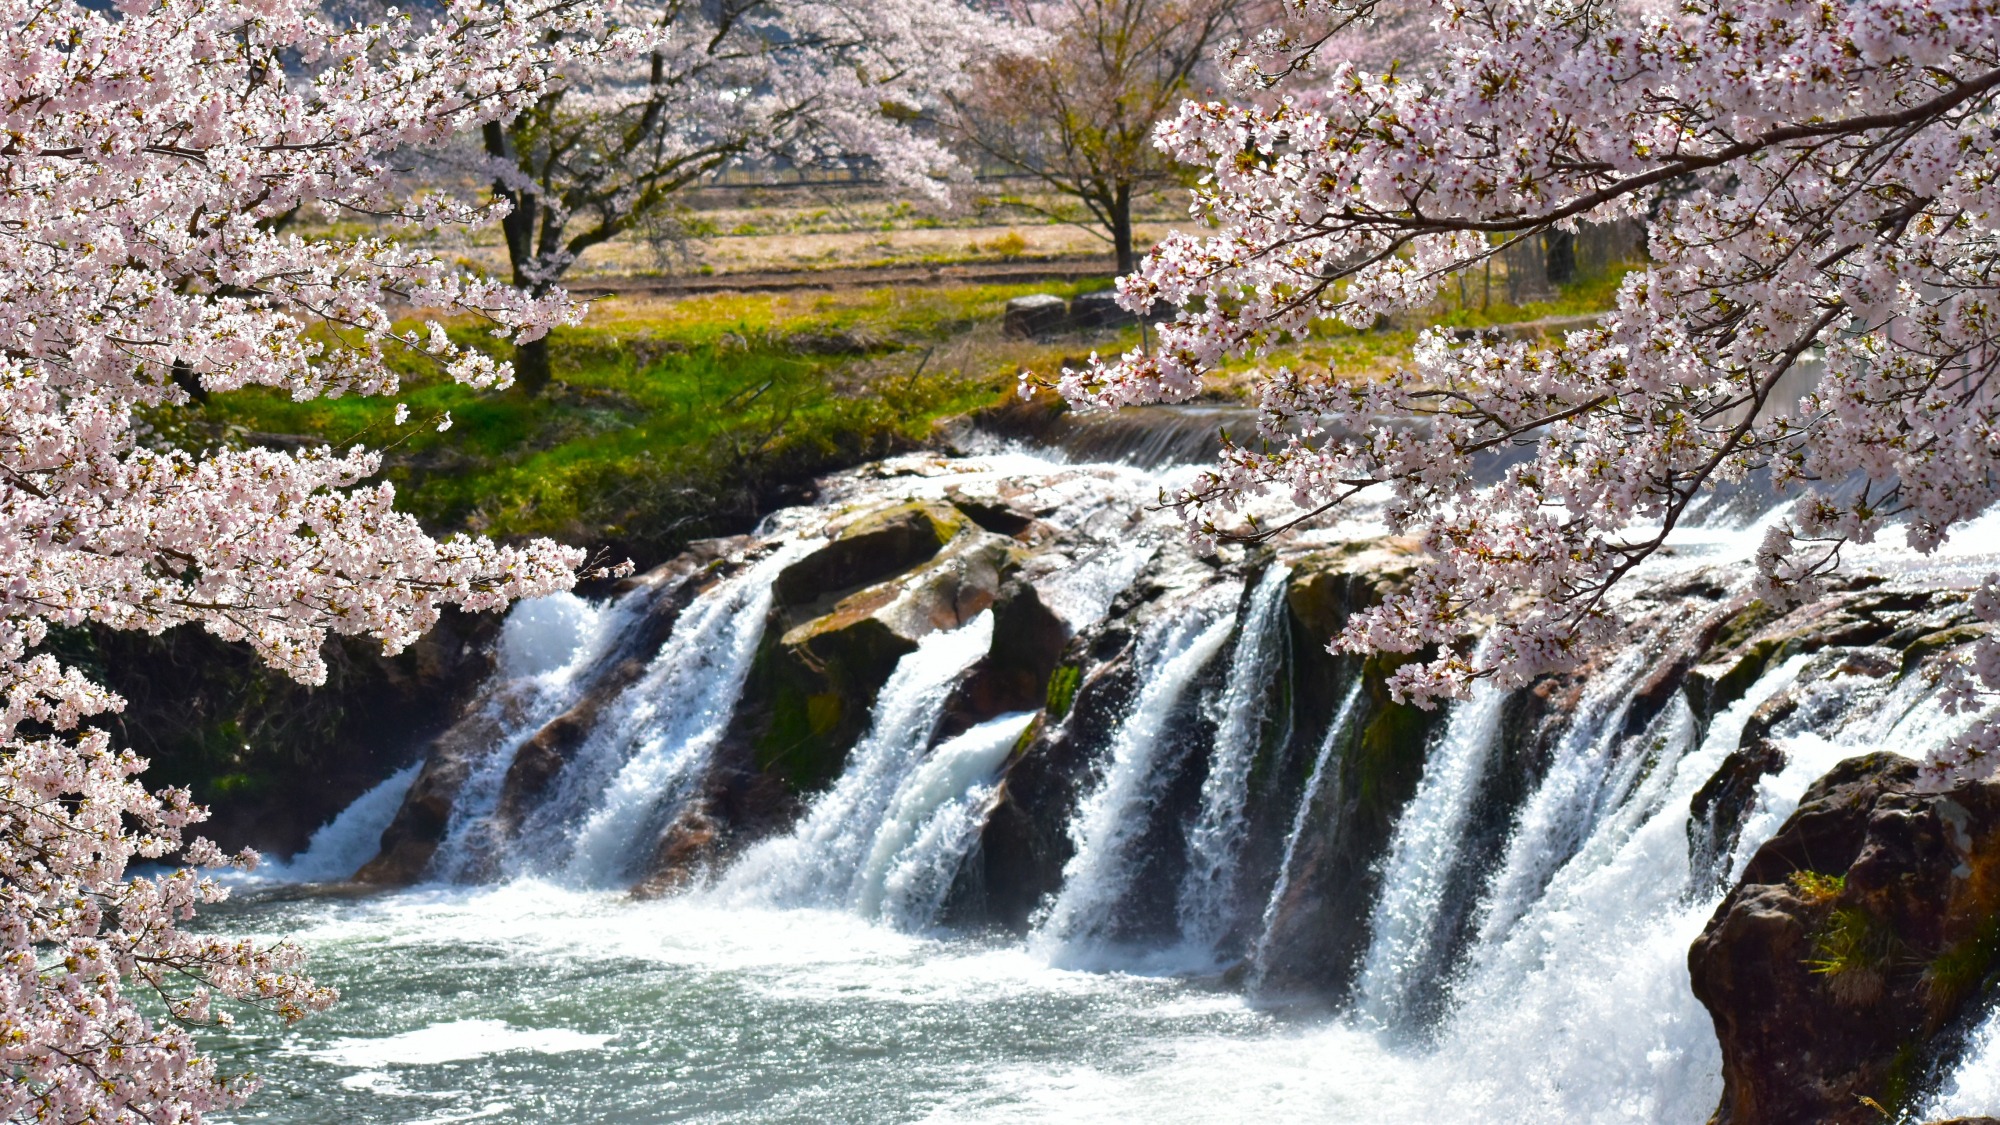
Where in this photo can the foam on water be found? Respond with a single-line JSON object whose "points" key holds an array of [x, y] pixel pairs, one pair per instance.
{"points": [[1173, 651], [455, 1041], [823, 860]]}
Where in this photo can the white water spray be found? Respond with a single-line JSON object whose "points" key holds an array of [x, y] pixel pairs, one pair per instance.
{"points": [[548, 649], [1563, 811], [1402, 951], [1215, 844], [656, 737], [1173, 652], [933, 823], [350, 839], [821, 860]]}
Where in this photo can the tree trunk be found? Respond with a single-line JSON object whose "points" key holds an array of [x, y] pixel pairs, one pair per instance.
{"points": [[1560, 247], [1121, 228], [531, 366]]}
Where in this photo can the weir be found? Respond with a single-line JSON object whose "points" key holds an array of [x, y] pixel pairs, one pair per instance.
{"points": [[1052, 722]]}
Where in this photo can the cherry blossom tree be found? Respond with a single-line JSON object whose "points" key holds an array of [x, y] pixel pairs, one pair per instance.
{"points": [[606, 150], [148, 155], [1821, 187], [1078, 115]]}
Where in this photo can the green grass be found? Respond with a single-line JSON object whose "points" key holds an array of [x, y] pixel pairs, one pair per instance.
{"points": [[669, 419], [1366, 352], [676, 419]]}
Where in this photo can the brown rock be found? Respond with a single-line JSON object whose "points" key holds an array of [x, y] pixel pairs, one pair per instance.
{"points": [[1840, 970]]}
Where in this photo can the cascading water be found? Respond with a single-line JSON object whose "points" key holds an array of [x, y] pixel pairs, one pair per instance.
{"points": [[1534, 973], [548, 650], [1578, 788], [347, 841], [932, 822], [823, 861], [1215, 843], [1404, 952], [1313, 800], [610, 802], [1172, 653]]}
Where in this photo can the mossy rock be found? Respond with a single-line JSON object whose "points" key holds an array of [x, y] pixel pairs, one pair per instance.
{"points": [[1710, 688], [1389, 760], [875, 547], [1930, 644], [819, 680]]}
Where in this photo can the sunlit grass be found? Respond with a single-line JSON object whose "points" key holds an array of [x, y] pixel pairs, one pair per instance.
{"points": [[670, 419]]}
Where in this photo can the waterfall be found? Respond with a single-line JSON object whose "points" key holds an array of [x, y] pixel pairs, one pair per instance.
{"points": [[1573, 794], [820, 862], [1316, 784], [548, 649], [932, 823], [343, 844], [1973, 1089], [609, 804], [1208, 894], [1173, 651], [1403, 952]]}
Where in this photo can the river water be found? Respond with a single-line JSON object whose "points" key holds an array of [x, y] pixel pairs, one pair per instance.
{"points": [[526, 1003]]}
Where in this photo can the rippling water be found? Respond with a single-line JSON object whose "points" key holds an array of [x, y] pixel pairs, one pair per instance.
{"points": [[526, 1003]]}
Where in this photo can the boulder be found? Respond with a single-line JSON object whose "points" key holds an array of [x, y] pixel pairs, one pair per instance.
{"points": [[1028, 640], [1038, 314], [1099, 310], [876, 546], [1842, 970]]}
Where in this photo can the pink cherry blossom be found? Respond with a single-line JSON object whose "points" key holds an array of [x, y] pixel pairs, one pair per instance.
{"points": [[150, 159], [1820, 185]]}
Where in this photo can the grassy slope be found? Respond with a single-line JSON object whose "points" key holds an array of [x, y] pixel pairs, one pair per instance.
{"points": [[670, 420]]}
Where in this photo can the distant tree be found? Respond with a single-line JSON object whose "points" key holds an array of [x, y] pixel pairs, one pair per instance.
{"points": [[1079, 115], [1821, 185], [605, 151], [148, 154]]}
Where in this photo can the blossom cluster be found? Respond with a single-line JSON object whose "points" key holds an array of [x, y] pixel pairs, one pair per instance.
{"points": [[773, 83], [152, 157], [1820, 186]]}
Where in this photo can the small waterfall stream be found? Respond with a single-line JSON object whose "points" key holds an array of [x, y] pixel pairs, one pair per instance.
{"points": [[826, 860], [932, 822], [548, 651], [1313, 800], [1172, 653], [1405, 951], [613, 799], [1575, 793], [1208, 891]]}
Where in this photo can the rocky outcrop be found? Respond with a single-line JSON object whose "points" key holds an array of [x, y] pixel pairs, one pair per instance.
{"points": [[1320, 926], [1019, 860], [1028, 643], [876, 546], [1841, 970]]}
